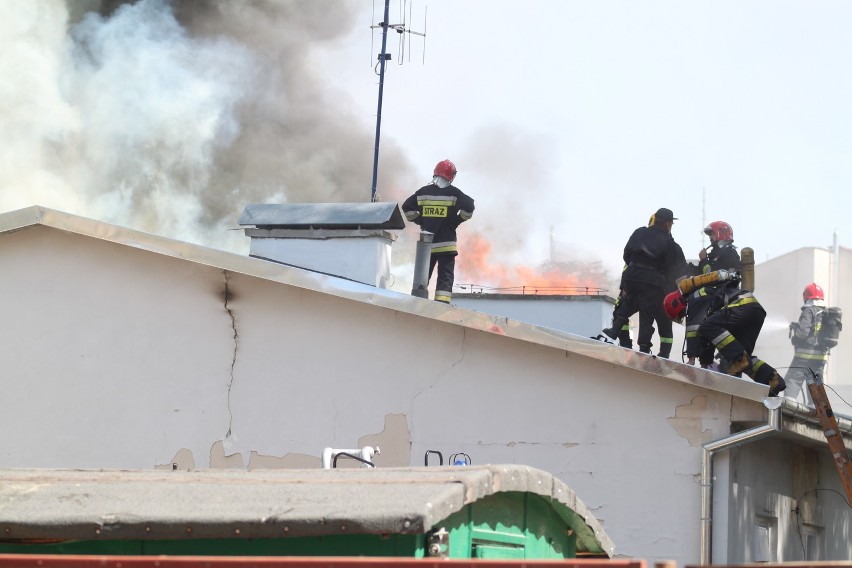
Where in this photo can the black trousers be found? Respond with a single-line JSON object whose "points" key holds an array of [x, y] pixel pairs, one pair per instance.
{"points": [[622, 332], [697, 346], [646, 299], [446, 274], [733, 332]]}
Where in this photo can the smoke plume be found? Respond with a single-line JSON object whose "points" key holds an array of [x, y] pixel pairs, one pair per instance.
{"points": [[170, 117], [511, 169]]}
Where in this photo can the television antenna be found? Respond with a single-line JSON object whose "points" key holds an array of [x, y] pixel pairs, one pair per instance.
{"points": [[383, 57]]}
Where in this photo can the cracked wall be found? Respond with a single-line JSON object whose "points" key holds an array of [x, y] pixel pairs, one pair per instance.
{"points": [[191, 364]]}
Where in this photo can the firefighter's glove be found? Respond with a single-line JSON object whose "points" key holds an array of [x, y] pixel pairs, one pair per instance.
{"points": [[794, 327]]}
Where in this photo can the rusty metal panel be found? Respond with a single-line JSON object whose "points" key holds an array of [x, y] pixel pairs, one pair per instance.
{"points": [[75, 561]]}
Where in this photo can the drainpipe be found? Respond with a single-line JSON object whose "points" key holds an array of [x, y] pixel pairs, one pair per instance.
{"points": [[710, 449]]}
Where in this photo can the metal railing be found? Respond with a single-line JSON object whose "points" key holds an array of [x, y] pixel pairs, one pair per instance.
{"points": [[525, 290]]}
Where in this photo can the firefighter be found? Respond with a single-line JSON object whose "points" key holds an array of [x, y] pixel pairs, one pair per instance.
{"points": [[440, 208], [733, 322], [623, 334], [808, 354], [625, 308], [722, 255], [651, 257]]}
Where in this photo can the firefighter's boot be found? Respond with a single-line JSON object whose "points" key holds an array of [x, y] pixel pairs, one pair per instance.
{"points": [[776, 384], [610, 332], [602, 337], [738, 365]]}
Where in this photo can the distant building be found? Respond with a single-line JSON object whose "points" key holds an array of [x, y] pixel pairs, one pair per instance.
{"points": [[581, 314]]}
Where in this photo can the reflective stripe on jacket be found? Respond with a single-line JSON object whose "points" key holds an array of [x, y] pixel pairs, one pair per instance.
{"points": [[439, 211]]}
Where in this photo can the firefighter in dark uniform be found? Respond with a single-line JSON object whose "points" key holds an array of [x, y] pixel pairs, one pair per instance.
{"points": [[440, 208], [732, 325], [651, 258], [723, 255], [629, 308], [808, 355]]}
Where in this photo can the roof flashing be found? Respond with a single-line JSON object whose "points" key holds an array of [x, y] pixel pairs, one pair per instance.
{"points": [[323, 216]]}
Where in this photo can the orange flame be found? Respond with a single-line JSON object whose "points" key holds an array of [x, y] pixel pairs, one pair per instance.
{"points": [[475, 269]]}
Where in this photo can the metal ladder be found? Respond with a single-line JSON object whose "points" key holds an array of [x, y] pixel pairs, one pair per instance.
{"points": [[832, 433]]}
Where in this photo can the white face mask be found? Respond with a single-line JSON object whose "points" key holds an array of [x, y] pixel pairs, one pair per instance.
{"points": [[440, 182]]}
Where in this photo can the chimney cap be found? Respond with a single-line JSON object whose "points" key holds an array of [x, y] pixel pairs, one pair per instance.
{"points": [[323, 216]]}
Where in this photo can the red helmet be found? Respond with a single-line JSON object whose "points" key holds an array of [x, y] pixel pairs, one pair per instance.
{"points": [[812, 292], [675, 306], [446, 169], [719, 231]]}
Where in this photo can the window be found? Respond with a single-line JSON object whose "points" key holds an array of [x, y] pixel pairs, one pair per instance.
{"points": [[765, 546], [813, 542]]}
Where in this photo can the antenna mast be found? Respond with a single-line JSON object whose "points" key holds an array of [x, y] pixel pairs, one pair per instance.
{"points": [[703, 213], [383, 57]]}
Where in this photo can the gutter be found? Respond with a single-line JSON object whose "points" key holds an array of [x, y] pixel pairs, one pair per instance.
{"points": [[808, 414], [709, 450]]}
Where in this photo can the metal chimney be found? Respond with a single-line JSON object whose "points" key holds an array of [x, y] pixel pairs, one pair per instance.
{"points": [[348, 240], [421, 265]]}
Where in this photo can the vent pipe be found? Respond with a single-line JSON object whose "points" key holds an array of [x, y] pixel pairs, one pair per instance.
{"points": [[366, 453], [421, 265]]}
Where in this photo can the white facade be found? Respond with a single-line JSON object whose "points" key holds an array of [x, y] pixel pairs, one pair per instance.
{"points": [[126, 350]]}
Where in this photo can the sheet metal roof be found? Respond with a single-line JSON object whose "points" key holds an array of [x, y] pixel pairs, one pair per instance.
{"points": [[92, 505], [323, 216]]}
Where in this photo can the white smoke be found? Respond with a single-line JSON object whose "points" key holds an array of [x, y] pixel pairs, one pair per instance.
{"points": [[170, 117]]}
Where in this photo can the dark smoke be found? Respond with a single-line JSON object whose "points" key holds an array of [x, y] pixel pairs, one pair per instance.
{"points": [[170, 117]]}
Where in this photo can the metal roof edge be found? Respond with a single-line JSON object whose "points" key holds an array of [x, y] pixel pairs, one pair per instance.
{"points": [[21, 218], [405, 303]]}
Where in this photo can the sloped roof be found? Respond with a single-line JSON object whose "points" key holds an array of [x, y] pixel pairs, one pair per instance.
{"points": [[93, 505], [405, 303]]}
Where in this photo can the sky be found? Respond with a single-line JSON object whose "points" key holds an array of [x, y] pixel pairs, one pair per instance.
{"points": [[588, 116], [570, 121]]}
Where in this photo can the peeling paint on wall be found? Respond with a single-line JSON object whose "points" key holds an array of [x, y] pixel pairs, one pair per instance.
{"points": [[183, 460], [394, 442], [219, 460], [288, 461], [687, 422]]}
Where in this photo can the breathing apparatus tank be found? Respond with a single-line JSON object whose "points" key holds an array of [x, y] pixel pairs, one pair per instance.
{"points": [[687, 285], [747, 262]]}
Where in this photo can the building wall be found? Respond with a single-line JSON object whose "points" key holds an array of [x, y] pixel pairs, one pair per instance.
{"points": [[581, 315], [781, 512], [117, 357]]}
